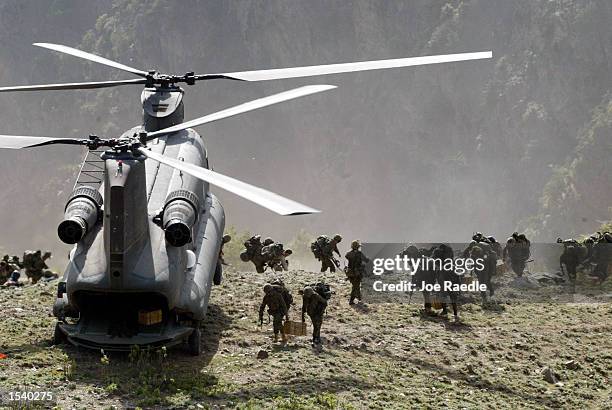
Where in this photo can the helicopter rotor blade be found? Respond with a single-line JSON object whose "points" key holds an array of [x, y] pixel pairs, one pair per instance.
{"points": [[260, 196], [91, 57], [309, 71], [73, 86], [28, 141], [248, 106]]}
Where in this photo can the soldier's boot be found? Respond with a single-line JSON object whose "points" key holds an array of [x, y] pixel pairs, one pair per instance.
{"points": [[275, 337], [283, 338], [444, 310]]}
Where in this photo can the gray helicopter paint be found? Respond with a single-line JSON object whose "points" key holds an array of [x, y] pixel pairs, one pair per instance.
{"points": [[161, 102], [146, 261]]}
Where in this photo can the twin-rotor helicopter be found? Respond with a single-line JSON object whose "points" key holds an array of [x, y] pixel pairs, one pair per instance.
{"points": [[147, 234]]}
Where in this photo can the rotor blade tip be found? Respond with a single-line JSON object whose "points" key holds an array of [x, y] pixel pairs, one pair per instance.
{"points": [[312, 211]]}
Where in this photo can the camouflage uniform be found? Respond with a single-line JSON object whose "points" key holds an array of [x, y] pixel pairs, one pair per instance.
{"points": [[327, 254], [355, 270], [35, 266], [252, 253], [574, 253], [315, 305], [277, 308], [517, 250], [485, 273], [444, 252], [220, 261], [9, 272], [274, 256]]}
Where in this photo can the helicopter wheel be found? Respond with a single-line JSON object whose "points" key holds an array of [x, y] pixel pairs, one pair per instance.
{"points": [[193, 342], [58, 336]]}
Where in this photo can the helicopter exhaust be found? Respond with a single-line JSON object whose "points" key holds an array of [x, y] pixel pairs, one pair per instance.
{"points": [[81, 214], [179, 216]]}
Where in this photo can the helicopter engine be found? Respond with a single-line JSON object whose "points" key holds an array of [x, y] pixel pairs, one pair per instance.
{"points": [[179, 215], [83, 211]]}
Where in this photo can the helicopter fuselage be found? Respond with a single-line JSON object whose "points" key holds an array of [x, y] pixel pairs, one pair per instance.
{"points": [[126, 266]]}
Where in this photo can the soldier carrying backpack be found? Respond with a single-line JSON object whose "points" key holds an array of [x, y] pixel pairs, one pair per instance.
{"points": [[323, 248], [314, 303]]}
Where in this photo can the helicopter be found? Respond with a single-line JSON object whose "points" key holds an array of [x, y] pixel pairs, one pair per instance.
{"points": [[147, 238]]}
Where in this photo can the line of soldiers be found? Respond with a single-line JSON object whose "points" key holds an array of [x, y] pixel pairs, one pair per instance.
{"points": [[314, 296], [486, 248], [34, 264]]}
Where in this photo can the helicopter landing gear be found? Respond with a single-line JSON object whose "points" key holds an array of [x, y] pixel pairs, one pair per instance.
{"points": [[58, 336], [218, 274], [193, 342]]}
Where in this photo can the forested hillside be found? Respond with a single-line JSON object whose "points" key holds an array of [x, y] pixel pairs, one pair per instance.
{"points": [[427, 153]]}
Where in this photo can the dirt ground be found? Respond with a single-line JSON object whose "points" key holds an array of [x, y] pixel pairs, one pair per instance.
{"points": [[376, 356]]}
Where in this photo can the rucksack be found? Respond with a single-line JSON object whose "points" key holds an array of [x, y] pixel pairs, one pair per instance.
{"points": [[319, 245], [280, 287], [323, 289]]}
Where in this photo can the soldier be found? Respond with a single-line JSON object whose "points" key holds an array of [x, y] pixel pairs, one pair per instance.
{"points": [[35, 266], [323, 249], [423, 276], [315, 305], [5, 271], [574, 253], [602, 257], [252, 252], [224, 240], [9, 272], [277, 308], [355, 270], [274, 255], [220, 261], [443, 275], [487, 270], [517, 252]]}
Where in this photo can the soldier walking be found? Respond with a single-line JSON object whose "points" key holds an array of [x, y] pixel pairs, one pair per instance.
{"points": [[324, 248], [355, 270], [315, 305], [277, 308]]}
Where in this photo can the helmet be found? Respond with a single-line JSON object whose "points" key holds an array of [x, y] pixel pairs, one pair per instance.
{"points": [[511, 240], [522, 237], [337, 238], [226, 238], [268, 241], [491, 239], [355, 244], [515, 234], [308, 291], [267, 288]]}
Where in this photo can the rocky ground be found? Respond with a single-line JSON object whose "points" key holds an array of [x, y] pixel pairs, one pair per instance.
{"points": [[517, 355]]}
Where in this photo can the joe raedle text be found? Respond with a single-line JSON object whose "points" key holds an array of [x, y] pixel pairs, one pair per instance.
{"points": [[446, 286]]}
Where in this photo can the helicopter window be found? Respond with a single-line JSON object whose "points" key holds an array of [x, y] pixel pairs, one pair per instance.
{"points": [[160, 107]]}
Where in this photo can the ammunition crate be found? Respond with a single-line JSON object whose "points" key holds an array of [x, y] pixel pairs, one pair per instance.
{"points": [[294, 328]]}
